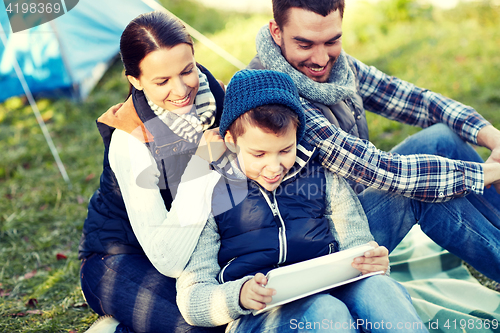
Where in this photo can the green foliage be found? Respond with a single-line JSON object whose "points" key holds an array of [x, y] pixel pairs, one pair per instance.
{"points": [[233, 32], [238, 39], [452, 52], [201, 18]]}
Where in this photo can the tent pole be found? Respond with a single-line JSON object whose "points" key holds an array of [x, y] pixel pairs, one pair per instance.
{"points": [[200, 37], [36, 111]]}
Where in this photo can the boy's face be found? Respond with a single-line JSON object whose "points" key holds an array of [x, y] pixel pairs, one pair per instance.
{"points": [[266, 157]]}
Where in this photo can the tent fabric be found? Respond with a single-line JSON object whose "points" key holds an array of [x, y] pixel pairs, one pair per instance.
{"points": [[68, 55], [447, 297]]}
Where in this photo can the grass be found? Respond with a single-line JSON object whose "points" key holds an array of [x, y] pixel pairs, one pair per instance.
{"points": [[454, 53], [451, 52]]}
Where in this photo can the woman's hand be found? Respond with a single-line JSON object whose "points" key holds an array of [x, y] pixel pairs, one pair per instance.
{"points": [[253, 295], [211, 145], [373, 260]]}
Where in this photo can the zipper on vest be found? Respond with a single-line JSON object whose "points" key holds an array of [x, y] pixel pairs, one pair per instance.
{"points": [[221, 274], [280, 223]]}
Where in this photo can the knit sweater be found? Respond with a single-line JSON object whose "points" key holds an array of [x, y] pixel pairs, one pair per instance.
{"points": [[204, 302]]}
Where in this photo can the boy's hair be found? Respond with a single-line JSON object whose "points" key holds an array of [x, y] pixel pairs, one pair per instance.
{"points": [[321, 7], [271, 118]]}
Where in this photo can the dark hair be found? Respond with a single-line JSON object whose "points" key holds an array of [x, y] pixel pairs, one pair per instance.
{"points": [[147, 33], [271, 118], [321, 7]]}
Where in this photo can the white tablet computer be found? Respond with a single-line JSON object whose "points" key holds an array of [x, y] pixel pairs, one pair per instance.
{"points": [[313, 276]]}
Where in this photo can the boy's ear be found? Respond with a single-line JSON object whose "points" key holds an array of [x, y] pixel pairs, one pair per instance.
{"points": [[230, 142], [135, 82]]}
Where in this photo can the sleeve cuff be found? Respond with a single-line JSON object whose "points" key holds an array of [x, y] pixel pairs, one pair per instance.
{"points": [[234, 306], [473, 177]]}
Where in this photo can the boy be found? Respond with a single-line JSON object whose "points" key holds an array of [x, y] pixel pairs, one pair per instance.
{"points": [[276, 206]]}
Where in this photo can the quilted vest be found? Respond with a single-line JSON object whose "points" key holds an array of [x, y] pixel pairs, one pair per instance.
{"points": [[271, 229], [107, 229]]}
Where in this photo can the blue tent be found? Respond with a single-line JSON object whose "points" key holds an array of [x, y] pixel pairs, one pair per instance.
{"points": [[67, 55]]}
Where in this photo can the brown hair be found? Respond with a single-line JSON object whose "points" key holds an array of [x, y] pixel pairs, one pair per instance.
{"points": [[321, 7], [147, 33], [271, 118]]}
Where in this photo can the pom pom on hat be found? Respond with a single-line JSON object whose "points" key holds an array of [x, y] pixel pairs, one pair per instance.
{"points": [[249, 89]]}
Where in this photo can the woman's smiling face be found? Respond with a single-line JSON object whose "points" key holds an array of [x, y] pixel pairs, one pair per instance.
{"points": [[169, 77]]}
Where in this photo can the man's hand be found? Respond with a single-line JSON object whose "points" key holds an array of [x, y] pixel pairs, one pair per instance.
{"points": [[489, 137], [211, 145], [373, 260], [253, 295], [494, 158]]}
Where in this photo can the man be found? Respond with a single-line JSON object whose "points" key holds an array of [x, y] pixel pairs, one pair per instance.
{"points": [[305, 41]]}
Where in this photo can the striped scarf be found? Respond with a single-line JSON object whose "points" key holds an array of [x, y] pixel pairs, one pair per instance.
{"points": [[340, 85], [201, 117]]}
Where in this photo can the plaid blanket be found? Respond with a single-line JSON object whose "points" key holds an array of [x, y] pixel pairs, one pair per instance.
{"points": [[446, 296]]}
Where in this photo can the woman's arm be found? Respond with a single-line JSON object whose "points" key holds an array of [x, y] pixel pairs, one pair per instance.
{"points": [[201, 299], [167, 238]]}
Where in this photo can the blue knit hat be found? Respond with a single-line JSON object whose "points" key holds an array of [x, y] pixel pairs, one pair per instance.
{"points": [[249, 89]]}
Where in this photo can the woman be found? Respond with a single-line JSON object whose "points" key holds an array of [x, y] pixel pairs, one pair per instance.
{"points": [[137, 238]]}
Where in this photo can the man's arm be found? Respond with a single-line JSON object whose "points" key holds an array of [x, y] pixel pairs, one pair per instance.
{"points": [[402, 101], [489, 137], [423, 177]]}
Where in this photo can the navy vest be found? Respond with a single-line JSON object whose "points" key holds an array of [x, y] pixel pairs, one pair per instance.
{"points": [[259, 234], [107, 229]]}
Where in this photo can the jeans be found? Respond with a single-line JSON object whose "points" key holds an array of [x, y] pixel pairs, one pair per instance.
{"points": [[129, 288], [468, 226], [374, 304]]}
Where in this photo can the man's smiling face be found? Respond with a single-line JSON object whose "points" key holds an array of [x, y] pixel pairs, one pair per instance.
{"points": [[310, 42]]}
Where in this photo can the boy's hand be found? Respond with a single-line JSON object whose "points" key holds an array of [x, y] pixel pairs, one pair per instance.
{"points": [[211, 146], [373, 260], [253, 295]]}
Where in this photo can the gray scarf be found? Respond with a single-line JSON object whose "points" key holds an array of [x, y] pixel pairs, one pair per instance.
{"points": [[340, 85]]}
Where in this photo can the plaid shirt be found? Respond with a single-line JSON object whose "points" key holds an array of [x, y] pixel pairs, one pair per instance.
{"points": [[424, 177]]}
